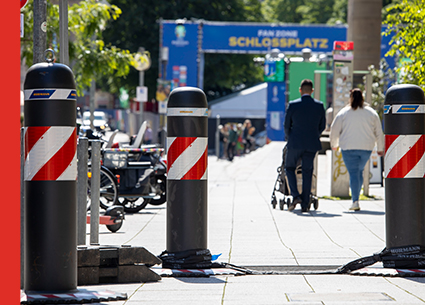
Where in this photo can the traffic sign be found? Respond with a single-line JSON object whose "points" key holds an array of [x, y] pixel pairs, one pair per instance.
{"points": [[23, 3]]}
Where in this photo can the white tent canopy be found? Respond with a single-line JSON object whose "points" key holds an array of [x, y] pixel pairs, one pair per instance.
{"points": [[250, 103]]}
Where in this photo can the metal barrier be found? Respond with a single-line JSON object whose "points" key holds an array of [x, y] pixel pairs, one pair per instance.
{"points": [[82, 156]]}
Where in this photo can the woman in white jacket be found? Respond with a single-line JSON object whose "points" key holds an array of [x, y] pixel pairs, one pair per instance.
{"points": [[355, 129]]}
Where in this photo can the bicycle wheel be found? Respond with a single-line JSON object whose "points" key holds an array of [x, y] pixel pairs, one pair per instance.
{"points": [[133, 205], [108, 190]]}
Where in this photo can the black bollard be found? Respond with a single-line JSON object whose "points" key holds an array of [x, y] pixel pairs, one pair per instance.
{"points": [[404, 126], [187, 185], [50, 178]]}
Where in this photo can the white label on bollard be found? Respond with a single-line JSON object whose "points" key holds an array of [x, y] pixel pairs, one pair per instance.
{"points": [[407, 109], [199, 112], [51, 94]]}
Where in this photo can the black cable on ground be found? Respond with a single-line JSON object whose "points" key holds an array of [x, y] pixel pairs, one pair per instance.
{"points": [[408, 257]]}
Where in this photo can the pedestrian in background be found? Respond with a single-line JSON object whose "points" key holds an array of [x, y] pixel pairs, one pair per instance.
{"points": [[239, 145], [356, 129], [231, 142], [247, 139], [225, 132], [305, 121], [220, 141]]}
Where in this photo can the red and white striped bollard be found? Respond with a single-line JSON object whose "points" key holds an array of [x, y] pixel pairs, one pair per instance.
{"points": [[50, 175], [404, 126], [187, 185]]}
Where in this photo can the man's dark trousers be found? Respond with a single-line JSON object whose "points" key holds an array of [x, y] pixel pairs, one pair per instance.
{"points": [[307, 159]]}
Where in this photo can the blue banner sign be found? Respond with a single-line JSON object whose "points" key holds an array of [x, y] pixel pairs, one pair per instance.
{"points": [[275, 111], [182, 43], [261, 38]]}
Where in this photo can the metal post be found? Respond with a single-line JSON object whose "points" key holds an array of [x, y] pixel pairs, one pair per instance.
{"points": [[161, 36], [39, 30], [95, 192], [201, 57], [92, 106], [141, 84], [404, 121], [63, 32], [217, 137], [82, 157], [187, 184]]}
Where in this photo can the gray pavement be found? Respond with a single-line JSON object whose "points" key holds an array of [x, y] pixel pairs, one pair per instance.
{"points": [[245, 229]]}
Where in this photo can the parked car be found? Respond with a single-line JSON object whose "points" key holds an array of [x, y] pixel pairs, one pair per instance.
{"points": [[100, 121]]}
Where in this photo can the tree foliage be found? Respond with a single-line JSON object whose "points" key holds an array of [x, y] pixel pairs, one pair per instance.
{"points": [[316, 11], [89, 56], [305, 12], [382, 78], [282, 11], [103, 46], [405, 20]]}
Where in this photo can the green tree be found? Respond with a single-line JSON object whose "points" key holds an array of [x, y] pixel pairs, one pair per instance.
{"points": [[282, 11], [339, 14], [139, 27], [405, 20], [89, 56], [316, 11], [305, 12], [382, 78]]}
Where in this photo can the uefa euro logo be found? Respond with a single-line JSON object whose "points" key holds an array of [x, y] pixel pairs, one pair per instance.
{"points": [[180, 32]]}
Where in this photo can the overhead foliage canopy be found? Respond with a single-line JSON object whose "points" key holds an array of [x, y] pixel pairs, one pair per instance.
{"points": [[89, 55], [105, 38], [405, 19]]}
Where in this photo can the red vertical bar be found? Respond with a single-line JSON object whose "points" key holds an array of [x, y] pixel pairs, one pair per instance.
{"points": [[10, 153]]}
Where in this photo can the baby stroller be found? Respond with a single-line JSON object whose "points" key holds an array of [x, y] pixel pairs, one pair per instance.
{"points": [[282, 185]]}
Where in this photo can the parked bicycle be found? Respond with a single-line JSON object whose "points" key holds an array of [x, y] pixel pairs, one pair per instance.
{"points": [[132, 176]]}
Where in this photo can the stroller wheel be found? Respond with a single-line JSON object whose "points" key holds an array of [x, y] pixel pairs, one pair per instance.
{"points": [[274, 202], [281, 204], [315, 203], [288, 202]]}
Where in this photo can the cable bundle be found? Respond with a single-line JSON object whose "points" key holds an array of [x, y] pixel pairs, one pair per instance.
{"points": [[408, 257], [189, 259]]}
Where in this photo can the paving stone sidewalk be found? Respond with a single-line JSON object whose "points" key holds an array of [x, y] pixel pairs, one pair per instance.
{"points": [[245, 229]]}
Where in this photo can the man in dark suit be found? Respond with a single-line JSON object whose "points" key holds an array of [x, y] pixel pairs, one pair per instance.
{"points": [[305, 120]]}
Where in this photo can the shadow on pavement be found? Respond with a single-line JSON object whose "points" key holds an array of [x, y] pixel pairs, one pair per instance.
{"points": [[200, 280], [317, 214], [365, 212]]}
